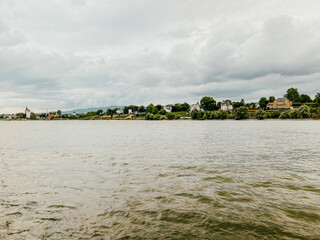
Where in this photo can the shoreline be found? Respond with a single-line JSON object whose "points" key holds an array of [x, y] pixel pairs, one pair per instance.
{"points": [[46, 120]]}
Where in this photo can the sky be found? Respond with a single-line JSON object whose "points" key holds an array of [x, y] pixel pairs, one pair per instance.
{"points": [[67, 54]]}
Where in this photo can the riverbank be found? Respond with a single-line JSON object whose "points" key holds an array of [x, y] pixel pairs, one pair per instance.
{"points": [[186, 119]]}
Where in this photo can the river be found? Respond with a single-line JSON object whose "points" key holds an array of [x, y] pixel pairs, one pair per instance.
{"points": [[160, 180]]}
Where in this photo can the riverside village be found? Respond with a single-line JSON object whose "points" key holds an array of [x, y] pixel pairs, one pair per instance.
{"points": [[292, 105]]}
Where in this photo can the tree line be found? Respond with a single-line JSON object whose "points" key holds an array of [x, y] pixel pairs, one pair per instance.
{"points": [[210, 109]]}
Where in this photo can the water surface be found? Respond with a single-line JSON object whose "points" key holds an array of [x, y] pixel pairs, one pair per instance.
{"points": [[160, 180]]}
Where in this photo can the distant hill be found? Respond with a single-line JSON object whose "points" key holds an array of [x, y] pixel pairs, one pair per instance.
{"points": [[85, 110]]}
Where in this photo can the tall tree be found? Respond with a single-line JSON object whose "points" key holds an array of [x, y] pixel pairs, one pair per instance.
{"points": [[317, 98], [237, 104], [141, 109], [159, 107], [184, 106], [304, 98], [292, 94], [98, 112], [208, 103], [271, 99], [263, 102], [150, 108]]}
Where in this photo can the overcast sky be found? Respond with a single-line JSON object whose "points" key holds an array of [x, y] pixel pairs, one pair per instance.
{"points": [[66, 54]]}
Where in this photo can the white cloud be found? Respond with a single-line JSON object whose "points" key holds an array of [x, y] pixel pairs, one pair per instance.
{"points": [[72, 53]]}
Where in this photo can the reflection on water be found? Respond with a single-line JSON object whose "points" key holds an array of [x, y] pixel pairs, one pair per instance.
{"points": [[160, 180]]}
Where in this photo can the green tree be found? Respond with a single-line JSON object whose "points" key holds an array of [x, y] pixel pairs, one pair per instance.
{"points": [[271, 99], [241, 113], [218, 105], [98, 112], [159, 107], [184, 106], [33, 116], [134, 108], [125, 110], [208, 103], [304, 98], [59, 112], [141, 109], [317, 98], [263, 102], [260, 114], [292, 94], [176, 107], [237, 104], [111, 112], [150, 108], [155, 111]]}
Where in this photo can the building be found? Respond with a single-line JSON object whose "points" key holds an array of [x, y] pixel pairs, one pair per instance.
{"points": [[119, 111], [129, 111], [28, 113], [226, 105], [280, 103], [195, 107], [168, 109]]}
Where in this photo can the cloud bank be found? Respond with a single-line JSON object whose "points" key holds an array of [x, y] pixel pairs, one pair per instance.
{"points": [[65, 54]]}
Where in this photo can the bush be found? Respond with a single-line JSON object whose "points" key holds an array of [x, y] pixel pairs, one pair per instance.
{"points": [[202, 115], [157, 117], [149, 116], [311, 104], [241, 113], [274, 114], [285, 114], [210, 115], [294, 114], [220, 114], [316, 113], [194, 114], [170, 116], [296, 104], [304, 111], [230, 116], [162, 112], [260, 114]]}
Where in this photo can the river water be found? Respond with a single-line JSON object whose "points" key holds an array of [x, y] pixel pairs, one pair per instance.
{"points": [[160, 180]]}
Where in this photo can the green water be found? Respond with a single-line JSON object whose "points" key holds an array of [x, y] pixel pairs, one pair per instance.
{"points": [[160, 180]]}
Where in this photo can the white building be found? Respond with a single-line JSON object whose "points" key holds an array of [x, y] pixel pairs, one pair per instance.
{"points": [[27, 112], [195, 107], [168, 109], [226, 105], [129, 111], [119, 111]]}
